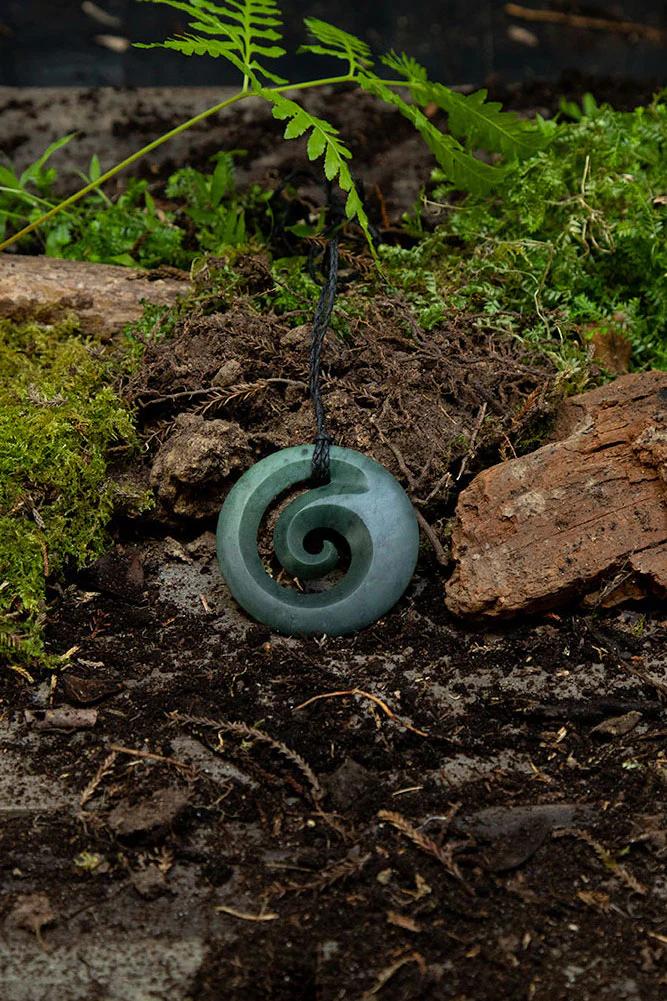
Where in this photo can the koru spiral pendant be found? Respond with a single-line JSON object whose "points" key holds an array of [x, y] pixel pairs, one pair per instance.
{"points": [[362, 504]]}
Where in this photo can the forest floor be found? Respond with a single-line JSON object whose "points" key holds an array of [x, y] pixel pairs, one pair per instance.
{"points": [[196, 808]]}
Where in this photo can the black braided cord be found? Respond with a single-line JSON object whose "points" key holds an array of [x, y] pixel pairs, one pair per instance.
{"points": [[321, 471]]}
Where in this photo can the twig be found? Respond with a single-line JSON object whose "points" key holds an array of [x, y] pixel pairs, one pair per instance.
{"points": [[150, 756], [104, 769], [444, 480], [605, 857], [659, 687], [245, 916], [332, 874], [658, 937], [473, 440], [427, 529], [647, 31], [389, 971], [429, 532], [147, 401], [364, 695], [610, 645], [400, 460]]}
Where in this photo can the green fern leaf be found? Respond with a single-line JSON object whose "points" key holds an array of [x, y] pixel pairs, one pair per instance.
{"points": [[484, 123], [405, 66], [316, 145], [471, 117], [332, 41], [240, 31], [325, 140], [464, 171]]}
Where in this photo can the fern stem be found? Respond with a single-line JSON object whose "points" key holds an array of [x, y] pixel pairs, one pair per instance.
{"points": [[413, 84], [103, 178], [308, 84]]}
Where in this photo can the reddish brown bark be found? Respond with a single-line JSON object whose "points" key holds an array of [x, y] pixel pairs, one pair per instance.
{"points": [[585, 515]]}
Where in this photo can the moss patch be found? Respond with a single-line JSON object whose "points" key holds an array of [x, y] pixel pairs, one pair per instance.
{"points": [[573, 243], [59, 416]]}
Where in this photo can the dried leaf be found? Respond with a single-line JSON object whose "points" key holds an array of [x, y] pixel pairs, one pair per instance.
{"points": [[403, 921], [33, 912], [618, 726], [596, 899]]}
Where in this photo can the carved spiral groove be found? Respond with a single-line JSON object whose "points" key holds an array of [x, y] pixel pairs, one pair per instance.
{"points": [[363, 508]]}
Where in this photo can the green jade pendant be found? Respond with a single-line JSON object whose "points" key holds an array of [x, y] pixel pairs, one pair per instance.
{"points": [[363, 509]]}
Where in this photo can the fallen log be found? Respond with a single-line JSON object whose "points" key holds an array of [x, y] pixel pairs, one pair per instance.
{"points": [[104, 297], [583, 516]]}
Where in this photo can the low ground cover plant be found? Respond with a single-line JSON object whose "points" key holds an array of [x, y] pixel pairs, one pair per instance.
{"points": [[572, 242], [198, 212], [59, 416]]}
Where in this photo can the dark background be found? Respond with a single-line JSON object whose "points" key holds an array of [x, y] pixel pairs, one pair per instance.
{"points": [[57, 42]]}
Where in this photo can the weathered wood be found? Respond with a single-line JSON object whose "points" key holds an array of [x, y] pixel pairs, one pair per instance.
{"points": [[585, 514], [104, 297]]}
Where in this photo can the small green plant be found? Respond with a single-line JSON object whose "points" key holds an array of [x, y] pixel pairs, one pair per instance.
{"points": [[24, 196], [199, 212], [59, 416], [588, 108], [247, 34], [572, 242]]}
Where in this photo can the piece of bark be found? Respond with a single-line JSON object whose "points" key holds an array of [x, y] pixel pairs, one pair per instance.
{"points": [[618, 726], [104, 297], [87, 691], [584, 514]]}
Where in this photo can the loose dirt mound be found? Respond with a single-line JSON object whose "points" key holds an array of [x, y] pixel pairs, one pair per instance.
{"points": [[428, 406]]}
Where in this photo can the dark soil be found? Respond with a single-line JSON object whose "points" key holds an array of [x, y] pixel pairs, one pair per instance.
{"points": [[446, 823], [482, 841], [470, 813]]}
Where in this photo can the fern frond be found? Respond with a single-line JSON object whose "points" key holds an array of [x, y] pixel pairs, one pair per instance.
{"points": [[464, 171], [471, 117], [324, 140], [405, 66], [243, 27], [332, 41], [484, 123]]}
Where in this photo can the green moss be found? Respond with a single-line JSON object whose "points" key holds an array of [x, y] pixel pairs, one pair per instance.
{"points": [[59, 416], [576, 236], [534, 434], [294, 291]]}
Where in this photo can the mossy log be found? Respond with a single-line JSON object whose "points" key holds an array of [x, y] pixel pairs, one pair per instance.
{"points": [[104, 297]]}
